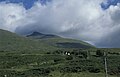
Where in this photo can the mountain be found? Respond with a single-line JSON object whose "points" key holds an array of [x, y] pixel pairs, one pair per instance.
{"points": [[12, 42], [38, 35], [58, 41]]}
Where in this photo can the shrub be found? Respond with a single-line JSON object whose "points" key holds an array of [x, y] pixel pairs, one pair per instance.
{"points": [[69, 58], [99, 53], [93, 70]]}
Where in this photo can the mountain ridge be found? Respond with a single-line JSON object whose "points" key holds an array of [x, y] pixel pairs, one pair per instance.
{"points": [[39, 35], [12, 42], [59, 41]]}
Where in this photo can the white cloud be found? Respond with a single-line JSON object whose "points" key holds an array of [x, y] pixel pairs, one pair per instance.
{"points": [[111, 39], [9, 14], [63, 16], [80, 19]]}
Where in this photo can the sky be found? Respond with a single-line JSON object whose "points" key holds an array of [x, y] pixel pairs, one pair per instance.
{"points": [[94, 21]]}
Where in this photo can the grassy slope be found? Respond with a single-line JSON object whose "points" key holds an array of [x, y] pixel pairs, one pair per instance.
{"points": [[58, 41], [82, 74], [66, 40], [12, 42]]}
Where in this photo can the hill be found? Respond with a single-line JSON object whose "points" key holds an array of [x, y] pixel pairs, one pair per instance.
{"points": [[38, 35], [13, 42], [58, 41], [41, 43]]}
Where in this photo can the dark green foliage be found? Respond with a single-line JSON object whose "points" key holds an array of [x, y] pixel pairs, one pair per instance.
{"points": [[93, 69], [58, 52], [25, 65], [70, 70], [57, 60], [99, 53], [84, 54], [71, 45], [39, 71], [69, 58]]}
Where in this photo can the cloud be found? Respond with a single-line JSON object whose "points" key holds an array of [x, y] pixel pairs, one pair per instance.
{"points": [[9, 14], [64, 17], [111, 39], [79, 19]]}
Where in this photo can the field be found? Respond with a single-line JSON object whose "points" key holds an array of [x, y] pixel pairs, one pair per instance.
{"points": [[60, 63], [82, 74], [43, 55]]}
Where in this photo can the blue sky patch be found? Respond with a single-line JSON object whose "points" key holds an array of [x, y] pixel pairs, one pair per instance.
{"points": [[109, 3], [27, 3]]}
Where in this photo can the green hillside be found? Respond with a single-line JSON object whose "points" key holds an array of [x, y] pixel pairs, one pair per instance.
{"points": [[58, 41], [13, 42]]}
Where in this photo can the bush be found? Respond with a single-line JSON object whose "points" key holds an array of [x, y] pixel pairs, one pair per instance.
{"points": [[69, 58], [84, 54], [57, 60], [99, 53], [93, 70], [70, 69]]}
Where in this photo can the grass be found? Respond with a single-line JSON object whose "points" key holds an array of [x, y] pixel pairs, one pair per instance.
{"points": [[15, 43], [81, 74], [29, 63], [20, 64]]}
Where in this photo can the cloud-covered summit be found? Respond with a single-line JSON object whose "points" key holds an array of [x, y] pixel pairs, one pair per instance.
{"points": [[80, 19]]}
